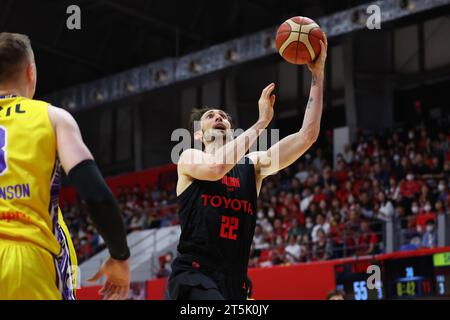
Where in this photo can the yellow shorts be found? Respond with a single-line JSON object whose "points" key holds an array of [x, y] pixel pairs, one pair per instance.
{"points": [[27, 272]]}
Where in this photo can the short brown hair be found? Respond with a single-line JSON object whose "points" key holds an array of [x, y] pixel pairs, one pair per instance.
{"points": [[15, 53], [335, 292], [196, 115]]}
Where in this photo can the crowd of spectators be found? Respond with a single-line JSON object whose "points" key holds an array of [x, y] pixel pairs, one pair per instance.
{"points": [[148, 208], [316, 209]]}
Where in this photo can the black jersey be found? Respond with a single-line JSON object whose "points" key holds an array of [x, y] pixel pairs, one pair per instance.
{"points": [[218, 219]]}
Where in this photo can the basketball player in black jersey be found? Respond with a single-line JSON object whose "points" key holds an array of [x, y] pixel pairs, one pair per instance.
{"points": [[217, 196]]}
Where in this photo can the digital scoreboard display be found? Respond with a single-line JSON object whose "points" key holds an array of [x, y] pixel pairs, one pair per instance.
{"points": [[354, 279], [420, 277], [409, 278], [441, 263]]}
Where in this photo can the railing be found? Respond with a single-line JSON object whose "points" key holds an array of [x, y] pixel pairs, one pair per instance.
{"points": [[152, 260], [377, 228], [406, 236], [391, 235]]}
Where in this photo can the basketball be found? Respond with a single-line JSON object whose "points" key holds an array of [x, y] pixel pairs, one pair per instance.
{"points": [[298, 40]]}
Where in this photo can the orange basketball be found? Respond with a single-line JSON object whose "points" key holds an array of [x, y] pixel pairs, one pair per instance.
{"points": [[298, 40]]}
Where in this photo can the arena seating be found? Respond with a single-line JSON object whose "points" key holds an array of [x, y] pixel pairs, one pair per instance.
{"points": [[312, 210]]}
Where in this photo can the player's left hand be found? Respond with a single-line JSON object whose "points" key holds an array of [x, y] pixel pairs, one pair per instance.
{"points": [[117, 284], [318, 66], [266, 103]]}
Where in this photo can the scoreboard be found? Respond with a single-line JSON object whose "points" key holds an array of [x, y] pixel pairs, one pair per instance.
{"points": [[441, 264], [352, 278], [419, 277], [409, 277]]}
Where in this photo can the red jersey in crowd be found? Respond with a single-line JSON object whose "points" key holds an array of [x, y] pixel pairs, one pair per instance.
{"points": [[423, 217], [409, 188], [365, 240]]}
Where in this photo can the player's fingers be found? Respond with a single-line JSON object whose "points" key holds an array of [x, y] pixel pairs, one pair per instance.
{"points": [[323, 50], [114, 293], [272, 100], [263, 92], [322, 44], [95, 277], [325, 38], [109, 294], [105, 289], [270, 86], [123, 292], [269, 90]]}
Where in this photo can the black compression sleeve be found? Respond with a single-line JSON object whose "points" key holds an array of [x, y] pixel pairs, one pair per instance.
{"points": [[103, 208]]}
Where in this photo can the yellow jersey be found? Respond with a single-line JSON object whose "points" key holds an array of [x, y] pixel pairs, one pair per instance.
{"points": [[29, 185]]}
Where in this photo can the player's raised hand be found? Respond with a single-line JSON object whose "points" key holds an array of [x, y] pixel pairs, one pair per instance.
{"points": [[266, 103], [318, 66], [117, 284]]}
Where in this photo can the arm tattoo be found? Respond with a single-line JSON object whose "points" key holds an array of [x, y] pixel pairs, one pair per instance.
{"points": [[314, 80]]}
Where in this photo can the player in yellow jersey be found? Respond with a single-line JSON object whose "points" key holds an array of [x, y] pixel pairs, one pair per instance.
{"points": [[37, 260]]}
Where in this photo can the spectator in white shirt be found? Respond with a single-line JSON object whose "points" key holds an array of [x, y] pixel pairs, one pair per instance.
{"points": [[307, 198], [386, 210], [347, 154], [394, 189], [266, 225], [320, 224], [259, 239], [302, 173], [292, 250]]}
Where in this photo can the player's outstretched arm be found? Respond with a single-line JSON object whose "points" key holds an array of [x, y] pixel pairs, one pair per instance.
{"points": [[78, 163], [292, 147], [211, 167]]}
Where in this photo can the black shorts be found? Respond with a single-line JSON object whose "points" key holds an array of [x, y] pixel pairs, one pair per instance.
{"points": [[190, 272]]}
